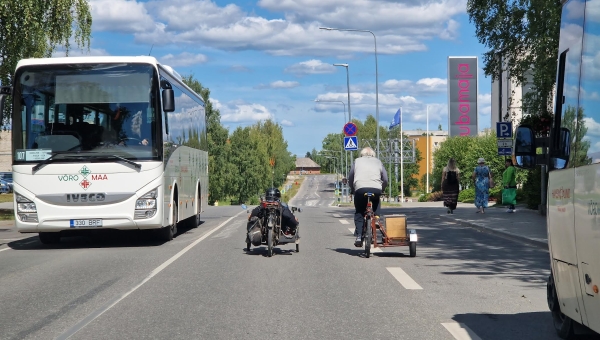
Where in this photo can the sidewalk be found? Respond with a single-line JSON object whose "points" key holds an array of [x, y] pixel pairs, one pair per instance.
{"points": [[524, 225]]}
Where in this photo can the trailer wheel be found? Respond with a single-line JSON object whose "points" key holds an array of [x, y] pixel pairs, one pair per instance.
{"points": [[412, 247], [562, 323]]}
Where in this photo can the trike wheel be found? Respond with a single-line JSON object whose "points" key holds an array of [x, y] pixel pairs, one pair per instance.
{"points": [[368, 237], [412, 247], [270, 243], [297, 248]]}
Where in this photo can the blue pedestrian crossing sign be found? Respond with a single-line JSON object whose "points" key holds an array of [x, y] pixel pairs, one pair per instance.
{"points": [[351, 143]]}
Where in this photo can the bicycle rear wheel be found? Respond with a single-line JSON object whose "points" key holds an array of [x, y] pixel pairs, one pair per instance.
{"points": [[368, 237]]}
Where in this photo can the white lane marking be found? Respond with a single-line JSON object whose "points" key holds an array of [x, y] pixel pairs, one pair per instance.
{"points": [[344, 221], [460, 331], [351, 230], [403, 278], [336, 215], [5, 249], [94, 315]]}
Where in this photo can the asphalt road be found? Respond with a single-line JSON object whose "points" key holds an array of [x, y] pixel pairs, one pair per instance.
{"points": [[205, 285]]}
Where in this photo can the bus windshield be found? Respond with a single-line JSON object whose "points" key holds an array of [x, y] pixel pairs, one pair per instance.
{"points": [[96, 109]]}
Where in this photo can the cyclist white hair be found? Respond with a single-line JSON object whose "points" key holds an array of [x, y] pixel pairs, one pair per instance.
{"points": [[367, 152]]}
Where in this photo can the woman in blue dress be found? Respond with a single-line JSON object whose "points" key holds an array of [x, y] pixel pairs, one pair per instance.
{"points": [[483, 178]]}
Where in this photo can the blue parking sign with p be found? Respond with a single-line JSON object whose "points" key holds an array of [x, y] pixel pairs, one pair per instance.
{"points": [[504, 130], [351, 143]]}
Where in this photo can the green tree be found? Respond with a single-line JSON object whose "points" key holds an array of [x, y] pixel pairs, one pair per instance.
{"points": [[215, 141], [466, 150], [440, 127], [522, 37], [35, 28], [579, 147]]}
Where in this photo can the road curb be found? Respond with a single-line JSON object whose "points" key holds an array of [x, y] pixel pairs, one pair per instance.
{"points": [[503, 234]]}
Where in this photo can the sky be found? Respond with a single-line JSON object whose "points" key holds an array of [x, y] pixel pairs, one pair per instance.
{"points": [[269, 59]]}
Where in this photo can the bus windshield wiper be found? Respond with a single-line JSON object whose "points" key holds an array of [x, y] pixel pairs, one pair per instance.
{"points": [[48, 160], [122, 159]]}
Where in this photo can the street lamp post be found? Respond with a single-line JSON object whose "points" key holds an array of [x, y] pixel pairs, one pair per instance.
{"points": [[376, 74], [349, 111], [338, 101], [348, 86]]}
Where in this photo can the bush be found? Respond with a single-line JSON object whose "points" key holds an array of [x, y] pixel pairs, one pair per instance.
{"points": [[435, 196], [467, 194], [424, 198]]}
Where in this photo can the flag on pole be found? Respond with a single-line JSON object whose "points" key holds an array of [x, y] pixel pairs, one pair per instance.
{"points": [[396, 120]]}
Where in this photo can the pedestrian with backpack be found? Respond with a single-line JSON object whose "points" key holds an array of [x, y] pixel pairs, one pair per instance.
{"points": [[450, 185]]}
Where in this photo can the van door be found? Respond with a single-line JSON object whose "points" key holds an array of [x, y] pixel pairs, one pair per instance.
{"points": [[587, 236]]}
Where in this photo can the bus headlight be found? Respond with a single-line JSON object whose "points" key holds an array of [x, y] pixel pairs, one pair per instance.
{"points": [[26, 209], [145, 206]]}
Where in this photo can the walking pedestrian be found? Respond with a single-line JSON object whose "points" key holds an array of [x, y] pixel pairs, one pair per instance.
{"points": [[509, 181], [450, 185], [483, 181]]}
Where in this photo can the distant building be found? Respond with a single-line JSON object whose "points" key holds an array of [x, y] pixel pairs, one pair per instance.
{"points": [[435, 140], [306, 166]]}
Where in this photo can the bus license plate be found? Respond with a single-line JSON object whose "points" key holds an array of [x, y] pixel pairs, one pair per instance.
{"points": [[86, 223]]}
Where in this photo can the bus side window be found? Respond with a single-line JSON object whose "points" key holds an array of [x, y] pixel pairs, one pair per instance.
{"points": [[586, 130]]}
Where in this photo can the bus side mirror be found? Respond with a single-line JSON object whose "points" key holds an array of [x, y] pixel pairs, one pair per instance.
{"points": [[525, 148], [168, 100]]}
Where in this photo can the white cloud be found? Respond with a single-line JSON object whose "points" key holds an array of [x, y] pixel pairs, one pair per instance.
{"points": [[279, 84], [311, 67], [96, 52], [592, 126], [451, 30], [183, 59], [420, 87], [401, 27], [239, 68], [241, 112], [286, 122], [120, 16]]}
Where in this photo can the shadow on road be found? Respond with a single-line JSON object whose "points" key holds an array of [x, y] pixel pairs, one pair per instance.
{"points": [[263, 251], [470, 252], [104, 238], [513, 326]]}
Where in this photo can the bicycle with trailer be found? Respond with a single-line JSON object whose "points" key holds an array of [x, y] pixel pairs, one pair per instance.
{"points": [[268, 229], [394, 231]]}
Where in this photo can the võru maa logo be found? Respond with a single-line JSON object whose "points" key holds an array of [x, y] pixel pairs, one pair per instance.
{"points": [[85, 171]]}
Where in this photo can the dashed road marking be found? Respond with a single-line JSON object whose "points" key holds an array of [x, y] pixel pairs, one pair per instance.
{"points": [[97, 313], [405, 280], [344, 221], [5, 249], [337, 215], [460, 331], [351, 230]]}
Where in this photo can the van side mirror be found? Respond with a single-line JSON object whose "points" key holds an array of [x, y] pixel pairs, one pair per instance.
{"points": [[562, 151], [168, 100], [525, 148]]}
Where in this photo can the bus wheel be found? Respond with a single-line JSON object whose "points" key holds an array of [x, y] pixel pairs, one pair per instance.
{"points": [[562, 323], [166, 233], [49, 238], [194, 221]]}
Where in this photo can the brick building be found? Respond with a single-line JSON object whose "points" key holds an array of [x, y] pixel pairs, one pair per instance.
{"points": [[306, 166]]}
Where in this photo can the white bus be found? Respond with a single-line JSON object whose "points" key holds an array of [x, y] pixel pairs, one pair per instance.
{"points": [[106, 143], [573, 163]]}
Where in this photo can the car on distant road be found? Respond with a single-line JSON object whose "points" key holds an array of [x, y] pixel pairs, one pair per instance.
{"points": [[7, 178], [5, 187]]}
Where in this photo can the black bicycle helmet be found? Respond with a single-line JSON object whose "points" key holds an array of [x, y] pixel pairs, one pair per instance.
{"points": [[272, 194]]}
